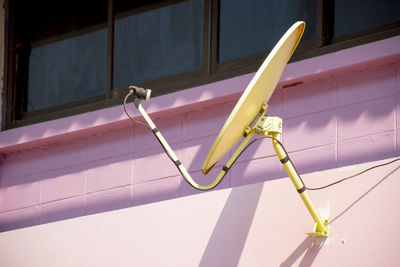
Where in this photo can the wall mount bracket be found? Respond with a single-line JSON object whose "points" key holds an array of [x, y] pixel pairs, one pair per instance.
{"points": [[272, 126]]}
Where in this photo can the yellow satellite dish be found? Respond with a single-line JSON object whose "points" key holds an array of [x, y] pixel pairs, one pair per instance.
{"points": [[250, 104], [257, 93]]}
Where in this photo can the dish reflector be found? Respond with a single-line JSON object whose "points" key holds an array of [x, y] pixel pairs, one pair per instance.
{"points": [[257, 93]]}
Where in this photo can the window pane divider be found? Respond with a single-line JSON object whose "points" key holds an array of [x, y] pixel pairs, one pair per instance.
{"points": [[110, 48]]}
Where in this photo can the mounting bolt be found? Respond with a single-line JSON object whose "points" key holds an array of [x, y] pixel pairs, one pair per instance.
{"points": [[246, 131]]}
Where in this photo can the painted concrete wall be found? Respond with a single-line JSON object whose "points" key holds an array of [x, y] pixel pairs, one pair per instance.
{"points": [[262, 224], [335, 118]]}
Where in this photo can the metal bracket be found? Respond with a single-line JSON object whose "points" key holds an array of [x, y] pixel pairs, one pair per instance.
{"points": [[259, 126], [267, 125], [317, 233]]}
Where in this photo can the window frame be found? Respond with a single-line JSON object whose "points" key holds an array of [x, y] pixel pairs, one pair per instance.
{"points": [[211, 71]]}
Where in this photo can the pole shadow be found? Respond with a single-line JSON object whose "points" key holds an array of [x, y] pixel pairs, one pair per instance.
{"points": [[311, 246], [363, 195]]}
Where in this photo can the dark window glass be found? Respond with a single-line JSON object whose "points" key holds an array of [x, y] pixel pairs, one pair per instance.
{"points": [[66, 47], [252, 27], [58, 50], [158, 43], [356, 15], [67, 70]]}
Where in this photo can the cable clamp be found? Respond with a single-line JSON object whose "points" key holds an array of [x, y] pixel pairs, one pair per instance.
{"points": [[285, 159], [177, 163], [301, 190], [225, 169]]}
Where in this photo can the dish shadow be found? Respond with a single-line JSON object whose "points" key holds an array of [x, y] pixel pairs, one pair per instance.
{"points": [[227, 240]]}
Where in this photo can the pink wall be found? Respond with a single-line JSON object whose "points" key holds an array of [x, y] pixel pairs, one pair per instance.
{"points": [[261, 224], [337, 117]]}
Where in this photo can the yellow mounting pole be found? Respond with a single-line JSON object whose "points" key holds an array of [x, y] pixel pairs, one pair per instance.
{"points": [[321, 226], [179, 165]]}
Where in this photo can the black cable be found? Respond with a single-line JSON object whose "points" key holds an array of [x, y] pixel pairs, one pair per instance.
{"points": [[354, 175], [328, 185]]}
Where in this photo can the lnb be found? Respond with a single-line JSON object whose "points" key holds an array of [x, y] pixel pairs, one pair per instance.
{"points": [[140, 93]]}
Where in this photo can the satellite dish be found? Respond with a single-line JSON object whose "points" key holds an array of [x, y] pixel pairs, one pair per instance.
{"points": [[251, 104], [257, 93]]}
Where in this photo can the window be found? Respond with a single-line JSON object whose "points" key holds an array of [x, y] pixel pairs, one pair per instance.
{"points": [[66, 57], [251, 27], [67, 70], [158, 43], [57, 55], [357, 15]]}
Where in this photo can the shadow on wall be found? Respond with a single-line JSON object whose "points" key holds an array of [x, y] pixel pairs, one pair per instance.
{"points": [[74, 208], [310, 246], [228, 238], [227, 241], [363, 195], [64, 193]]}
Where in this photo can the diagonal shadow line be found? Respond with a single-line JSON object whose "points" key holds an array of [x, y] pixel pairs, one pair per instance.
{"points": [[227, 241], [297, 252], [312, 252], [310, 246], [363, 195]]}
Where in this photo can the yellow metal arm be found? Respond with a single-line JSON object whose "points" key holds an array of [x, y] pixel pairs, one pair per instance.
{"points": [[272, 126], [179, 165], [321, 225]]}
